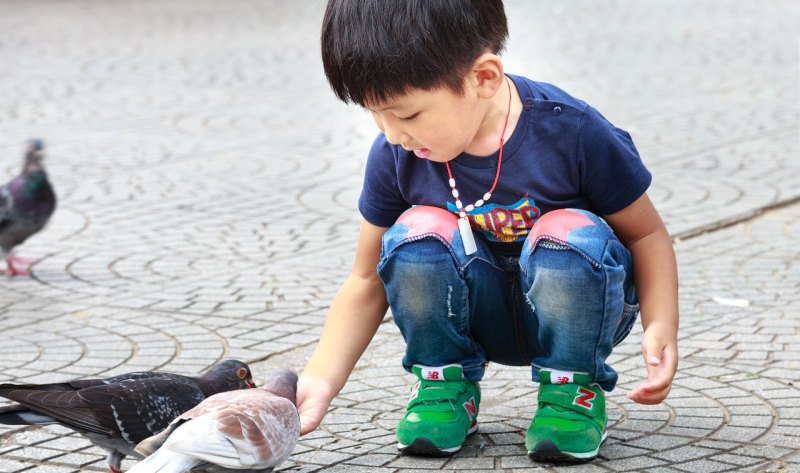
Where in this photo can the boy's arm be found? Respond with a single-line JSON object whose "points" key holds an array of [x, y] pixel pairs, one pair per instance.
{"points": [[640, 228], [354, 316]]}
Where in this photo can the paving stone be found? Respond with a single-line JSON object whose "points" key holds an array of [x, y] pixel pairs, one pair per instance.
{"points": [[12, 466], [372, 460], [705, 466], [683, 454]]}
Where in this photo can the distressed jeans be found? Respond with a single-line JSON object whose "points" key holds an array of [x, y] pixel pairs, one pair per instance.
{"points": [[562, 304]]}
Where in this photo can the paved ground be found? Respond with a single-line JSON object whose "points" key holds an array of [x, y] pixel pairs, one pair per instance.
{"points": [[207, 182]]}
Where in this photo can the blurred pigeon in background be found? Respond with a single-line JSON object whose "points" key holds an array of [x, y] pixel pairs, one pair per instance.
{"points": [[118, 412], [250, 430], [26, 204]]}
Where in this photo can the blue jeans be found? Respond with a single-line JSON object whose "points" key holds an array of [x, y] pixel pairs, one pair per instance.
{"points": [[562, 304]]}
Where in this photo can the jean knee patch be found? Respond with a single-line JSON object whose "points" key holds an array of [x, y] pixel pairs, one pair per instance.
{"points": [[421, 222], [578, 230]]}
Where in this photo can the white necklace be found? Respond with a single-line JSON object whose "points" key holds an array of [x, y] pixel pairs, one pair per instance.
{"points": [[463, 222]]}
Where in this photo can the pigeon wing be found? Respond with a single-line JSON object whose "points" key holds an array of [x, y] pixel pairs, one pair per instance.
{"points": [[239, 429], [65, 406], [18, 414], [139, 375], [149, 445], [140, 408], [6, 203], [66, 386], [133, 409]]}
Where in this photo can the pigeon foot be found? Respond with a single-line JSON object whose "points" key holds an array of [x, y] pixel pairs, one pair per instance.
{"points": [[20, 260], [13, 269]]}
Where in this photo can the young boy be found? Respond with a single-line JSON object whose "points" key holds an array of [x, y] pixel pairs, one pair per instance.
{"points": [[480, 231]]}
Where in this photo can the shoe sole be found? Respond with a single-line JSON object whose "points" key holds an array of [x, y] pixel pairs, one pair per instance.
{"points": [[547, 452], [423, 446]]}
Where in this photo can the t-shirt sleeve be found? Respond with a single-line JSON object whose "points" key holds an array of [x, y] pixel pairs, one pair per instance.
{"points": [[381, 201], [612, 174]]}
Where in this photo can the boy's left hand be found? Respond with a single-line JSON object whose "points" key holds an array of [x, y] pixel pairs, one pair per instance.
{"points": [[660, 353]]}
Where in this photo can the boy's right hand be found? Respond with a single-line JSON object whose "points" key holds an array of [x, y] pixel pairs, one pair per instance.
{"points": [[314, 395]]}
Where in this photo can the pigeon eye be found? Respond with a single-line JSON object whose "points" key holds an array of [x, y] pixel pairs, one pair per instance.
{"points": [[242, 373]]}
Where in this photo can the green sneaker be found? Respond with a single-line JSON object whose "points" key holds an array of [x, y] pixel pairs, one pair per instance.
{"points": [[570, 423], [442, 410]]}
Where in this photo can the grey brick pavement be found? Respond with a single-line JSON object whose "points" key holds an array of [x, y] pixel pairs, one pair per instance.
{"points": [[207, 181]]}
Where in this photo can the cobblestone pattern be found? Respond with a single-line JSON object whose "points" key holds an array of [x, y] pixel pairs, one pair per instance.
{"points": [[207, 181]]}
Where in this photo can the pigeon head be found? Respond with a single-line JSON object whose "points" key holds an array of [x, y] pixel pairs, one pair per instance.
{"points": [[227, 376], [34, 155], [283, 384], [36, 144]]}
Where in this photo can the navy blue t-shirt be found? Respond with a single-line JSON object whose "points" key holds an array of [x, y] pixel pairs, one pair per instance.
{"points": [[562, 154]]}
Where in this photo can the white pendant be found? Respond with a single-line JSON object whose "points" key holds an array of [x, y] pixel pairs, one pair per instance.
{"points": [[466, 236]]}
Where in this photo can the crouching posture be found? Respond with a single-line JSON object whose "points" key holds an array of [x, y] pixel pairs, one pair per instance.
{"points": [[559, 307], [482, 230]]}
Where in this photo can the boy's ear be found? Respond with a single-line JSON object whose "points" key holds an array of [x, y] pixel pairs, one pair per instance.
{"points": [[487, 75]]}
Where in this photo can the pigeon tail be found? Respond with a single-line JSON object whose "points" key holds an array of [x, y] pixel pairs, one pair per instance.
{"points": [[21, 415], [165, 461]]}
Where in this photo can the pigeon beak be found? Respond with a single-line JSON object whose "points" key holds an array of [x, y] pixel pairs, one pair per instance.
{"points": [[251, 383]]}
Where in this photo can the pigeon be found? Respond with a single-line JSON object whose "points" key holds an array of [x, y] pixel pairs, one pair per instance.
{"points": [[117, 413], [26, 204], [252, 430]]}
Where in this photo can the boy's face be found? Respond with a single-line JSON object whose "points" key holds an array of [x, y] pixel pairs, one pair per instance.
{"points": [[435, 124]]}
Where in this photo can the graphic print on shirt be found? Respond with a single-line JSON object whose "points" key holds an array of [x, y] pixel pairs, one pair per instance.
{"points": [[503, 223]]}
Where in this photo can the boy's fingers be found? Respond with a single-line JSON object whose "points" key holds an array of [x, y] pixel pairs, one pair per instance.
{"points": [[655, 389], [649, 393], [659, 378], [647, 398], [309, 421], [307, 425]]}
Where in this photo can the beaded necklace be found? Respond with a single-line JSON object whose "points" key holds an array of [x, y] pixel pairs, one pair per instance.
{"points": [[463, 222]]}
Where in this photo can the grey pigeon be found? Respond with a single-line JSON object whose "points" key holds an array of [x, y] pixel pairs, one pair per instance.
{"points": [[26, 204], [252, 430], [118, 412]]}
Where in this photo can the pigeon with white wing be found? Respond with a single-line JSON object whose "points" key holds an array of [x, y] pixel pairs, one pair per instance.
{"points": [[251, 430]]}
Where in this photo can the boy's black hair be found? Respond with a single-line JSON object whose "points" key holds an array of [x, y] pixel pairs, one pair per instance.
{"points": [[373, 50]]}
